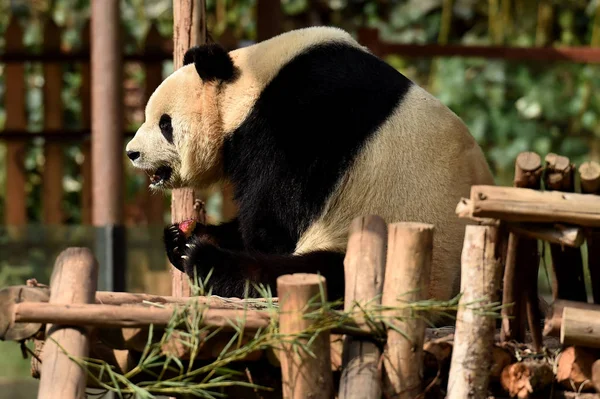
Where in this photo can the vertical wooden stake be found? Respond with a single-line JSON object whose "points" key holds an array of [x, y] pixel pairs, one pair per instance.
{"points": [[474, 334], [189, 18], [53, 120], [522, 266], [74, 280], [303, 376], [589, 173], [365, 271], [567, 263], [407, 275], [15, 204]]}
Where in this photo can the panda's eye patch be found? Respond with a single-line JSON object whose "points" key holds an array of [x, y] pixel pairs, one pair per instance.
{"points": [[166, 128]]}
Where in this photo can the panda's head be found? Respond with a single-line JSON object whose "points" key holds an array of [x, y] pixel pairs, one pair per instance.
{"points": [[180, 142]]}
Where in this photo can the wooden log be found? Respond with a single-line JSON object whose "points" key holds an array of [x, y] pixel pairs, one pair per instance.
{"points": [[589, 174], [526, 205], [189, 29], [522, 264], [407, 277], [52, 175], [303, 375], [553, 320], [15, 204], [85, 94], [559, 234], [574, 370], [596, 375], [474, 335], [130, 316], [523, 379], [74, 281], [567, 263], [364, 271], [580, 327]]}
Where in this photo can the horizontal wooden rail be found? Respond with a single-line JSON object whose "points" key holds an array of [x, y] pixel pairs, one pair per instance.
{"points": [[370, 37], [111, 316], [95, 315], [84, 56], [63, 135]]}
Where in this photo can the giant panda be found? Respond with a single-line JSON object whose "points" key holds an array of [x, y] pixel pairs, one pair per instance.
{"points": [[311, 130]]}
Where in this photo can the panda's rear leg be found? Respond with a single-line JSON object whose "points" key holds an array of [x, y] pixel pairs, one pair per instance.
{"points": [[230, 270]]}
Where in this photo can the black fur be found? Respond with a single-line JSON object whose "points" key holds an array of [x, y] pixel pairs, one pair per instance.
{"points": [[287, 157], [166, 128], [212, 62]]}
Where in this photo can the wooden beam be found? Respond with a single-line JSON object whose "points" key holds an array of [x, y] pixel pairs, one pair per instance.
{"points": [[526, 205], [589, 55]]}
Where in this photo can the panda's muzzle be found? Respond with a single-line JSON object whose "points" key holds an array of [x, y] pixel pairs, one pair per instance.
{"points": [[162, 175]]}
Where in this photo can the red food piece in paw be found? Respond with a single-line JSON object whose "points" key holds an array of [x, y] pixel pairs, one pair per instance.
{"points": [[187, 227]]}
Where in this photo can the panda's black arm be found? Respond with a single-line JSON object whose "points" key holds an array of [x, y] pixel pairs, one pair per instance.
{"points": [[225, 235], [231, 269]]}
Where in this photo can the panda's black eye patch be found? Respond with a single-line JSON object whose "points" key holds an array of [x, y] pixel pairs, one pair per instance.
{"points": [[166, 128]]}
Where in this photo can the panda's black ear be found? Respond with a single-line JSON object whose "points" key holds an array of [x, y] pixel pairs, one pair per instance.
{"points": [[212, 62]]}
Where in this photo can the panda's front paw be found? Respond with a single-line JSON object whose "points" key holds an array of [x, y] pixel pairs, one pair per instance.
{"points": [[175, 241], [219, 270]]}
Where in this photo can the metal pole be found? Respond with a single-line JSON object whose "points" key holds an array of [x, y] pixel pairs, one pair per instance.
{"points": [[108, 143]]}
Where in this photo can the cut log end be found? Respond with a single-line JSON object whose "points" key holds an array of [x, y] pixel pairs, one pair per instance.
{"points": [[589, 173], [528, 161]]}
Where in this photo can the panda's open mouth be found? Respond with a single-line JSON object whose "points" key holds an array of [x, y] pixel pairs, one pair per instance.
{"points": [[161, 176]]}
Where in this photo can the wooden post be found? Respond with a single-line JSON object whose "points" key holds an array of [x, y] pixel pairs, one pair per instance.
{"points": [[522, 262], [303, 375], [108, 142], [74, 280], [364, 270], [567, 263], [53, 119], [474, 335], [86, 122], [407, 274], [189, 18], [596, 375], [589, 173], [580, 327], [553, 320], [15, 212]]}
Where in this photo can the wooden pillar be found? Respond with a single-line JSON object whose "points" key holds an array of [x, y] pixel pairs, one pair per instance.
{"points": [[522, 264], [481, 269], [189, 19], [567, 263], [108, 142], [53, 120], [15, 211], [74, 281], [303, 374], [407, 277], [589, 174], [364, 270]]}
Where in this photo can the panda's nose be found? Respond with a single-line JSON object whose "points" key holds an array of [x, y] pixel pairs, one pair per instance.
{"points": [[133, 155]]}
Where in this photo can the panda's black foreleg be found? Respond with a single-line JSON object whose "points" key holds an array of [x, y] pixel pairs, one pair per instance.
{"points": [[225, 235], [230, 270]]}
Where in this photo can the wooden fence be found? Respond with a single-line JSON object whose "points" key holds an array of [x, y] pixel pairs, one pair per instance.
{"points": [[16, 135], [156, 49]]}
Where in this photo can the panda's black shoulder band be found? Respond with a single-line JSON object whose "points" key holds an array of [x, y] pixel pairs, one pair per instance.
{"points": [[212, 62]]}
